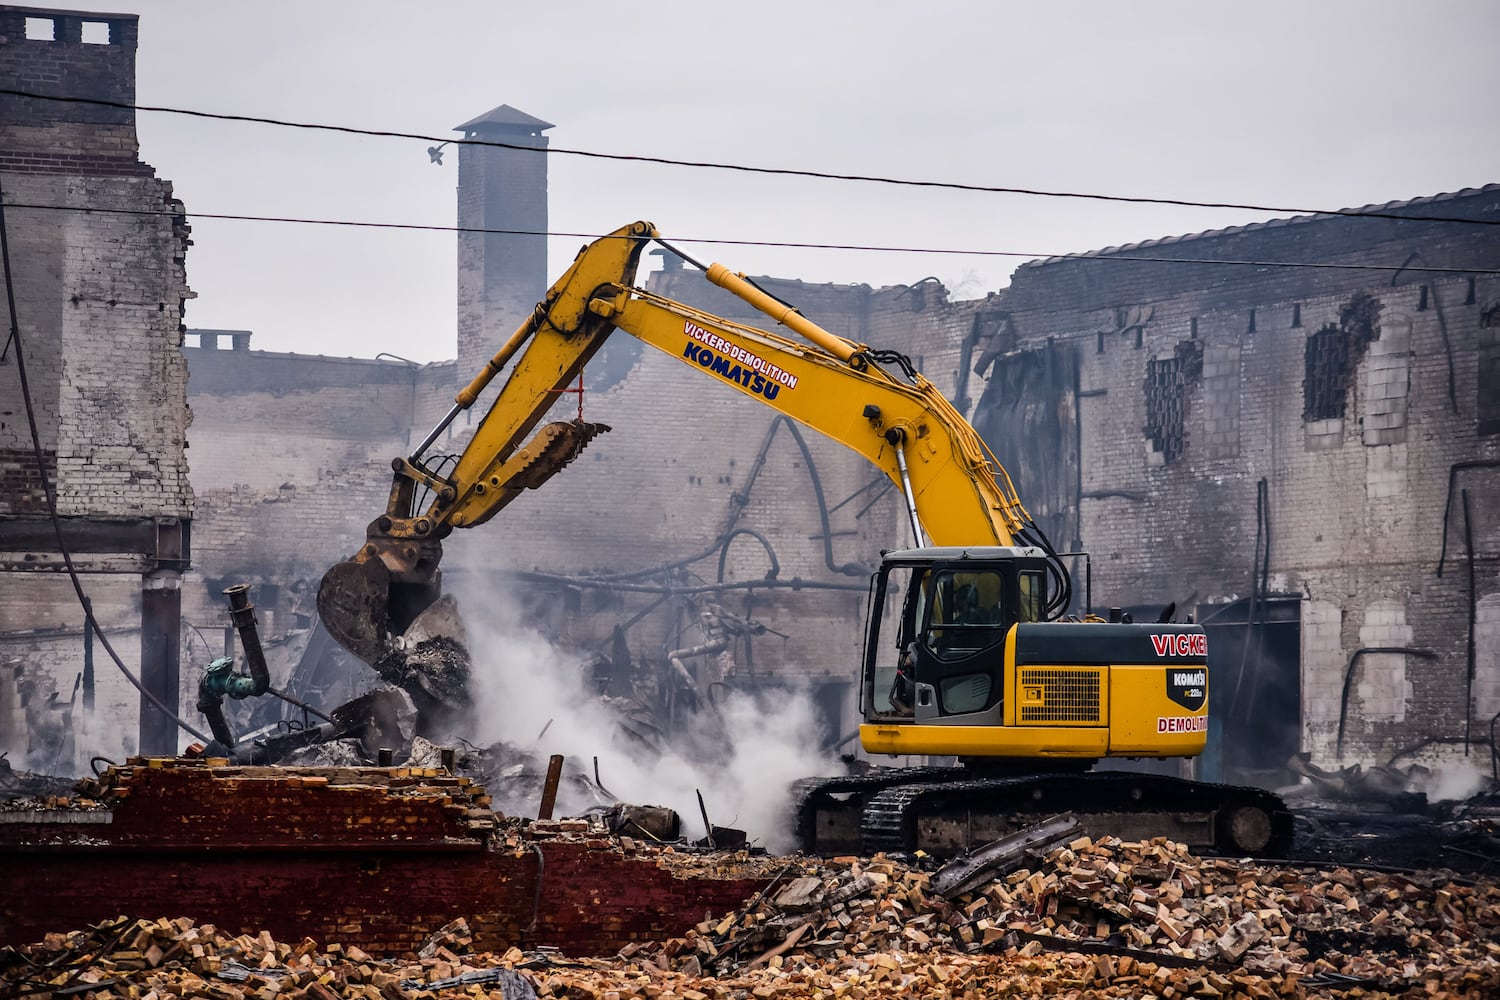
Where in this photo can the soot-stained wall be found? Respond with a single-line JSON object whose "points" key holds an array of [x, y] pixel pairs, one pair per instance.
{"points": [[1362, 399], [97, 248]]}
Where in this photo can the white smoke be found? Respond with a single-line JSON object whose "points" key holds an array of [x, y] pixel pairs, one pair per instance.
{"points": [[1452, 782], [530, 693]]}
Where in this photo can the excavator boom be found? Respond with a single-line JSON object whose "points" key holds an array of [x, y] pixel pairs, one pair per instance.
{"points": [[873, 402]]}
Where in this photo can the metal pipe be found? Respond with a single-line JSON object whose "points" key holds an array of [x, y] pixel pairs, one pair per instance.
{"points": [[1473, 613], [795, 583], [1426, 654], [88, 660], [1453, 471], [242, 615], [1088, 577], [453, 411], [703, 811], [895, 436], [299, 703]]}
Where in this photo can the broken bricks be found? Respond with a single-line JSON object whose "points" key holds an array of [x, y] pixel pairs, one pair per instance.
{"points": [[1089, 919]]}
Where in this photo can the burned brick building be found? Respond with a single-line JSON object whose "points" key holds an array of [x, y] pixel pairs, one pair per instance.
{"points": [[1306, 457], [96, 257], [1246, 424], [1302, 457]]}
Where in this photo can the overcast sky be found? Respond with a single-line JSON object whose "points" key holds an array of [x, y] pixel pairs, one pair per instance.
{"points": [[1301, 103]]}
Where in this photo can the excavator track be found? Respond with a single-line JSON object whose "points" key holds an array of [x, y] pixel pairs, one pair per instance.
{"points": [[827, 810], [945, 813]]}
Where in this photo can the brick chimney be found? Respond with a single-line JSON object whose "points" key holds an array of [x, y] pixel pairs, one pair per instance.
{"points": [[70, 54], [501, 275]]}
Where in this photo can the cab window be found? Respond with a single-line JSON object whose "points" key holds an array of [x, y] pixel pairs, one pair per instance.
{"points": [[1033, 600], [966, 612]]}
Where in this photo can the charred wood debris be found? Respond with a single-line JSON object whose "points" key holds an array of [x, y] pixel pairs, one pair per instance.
{"points": [[1054, 913], [422, 698]]}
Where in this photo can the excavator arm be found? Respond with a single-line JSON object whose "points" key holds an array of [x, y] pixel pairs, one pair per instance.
{"points": [[873, 402]]}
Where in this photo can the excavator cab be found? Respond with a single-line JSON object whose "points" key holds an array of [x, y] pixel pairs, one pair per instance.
{"points": [[938, 624], [961, 660]]}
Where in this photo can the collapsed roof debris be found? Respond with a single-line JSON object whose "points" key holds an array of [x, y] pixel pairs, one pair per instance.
{"points": [[1396, 787], [1090, 919], [18, 784]]}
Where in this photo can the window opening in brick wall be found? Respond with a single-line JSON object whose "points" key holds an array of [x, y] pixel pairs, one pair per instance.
{"points": [[1165, 408], [96, 32], [1326, 380], [40, 29], [1166, 385]]}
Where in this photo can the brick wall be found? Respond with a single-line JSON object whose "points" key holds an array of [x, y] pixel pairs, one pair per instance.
{"points": [[376, 858], [39, 136], [97, 247], [1356, 502], [280, 506]]}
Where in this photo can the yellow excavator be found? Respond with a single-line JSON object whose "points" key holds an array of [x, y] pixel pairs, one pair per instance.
{"points": [[966, 655]]}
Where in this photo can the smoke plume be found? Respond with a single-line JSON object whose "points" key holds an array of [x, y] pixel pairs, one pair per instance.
{"points": [[530, 693]]}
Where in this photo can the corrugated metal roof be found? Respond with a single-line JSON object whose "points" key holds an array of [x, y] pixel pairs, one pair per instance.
{"points": [[1167, 241]]}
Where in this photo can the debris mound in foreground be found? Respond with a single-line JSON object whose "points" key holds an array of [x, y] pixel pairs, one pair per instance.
{"points": [[1106, 919]]}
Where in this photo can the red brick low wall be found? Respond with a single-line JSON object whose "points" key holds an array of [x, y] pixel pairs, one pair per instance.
{"points": [[351, 861]]}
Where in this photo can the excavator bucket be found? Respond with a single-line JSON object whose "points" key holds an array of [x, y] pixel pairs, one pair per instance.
{"points": [[364, 605], [354, 603], [368, 600]]}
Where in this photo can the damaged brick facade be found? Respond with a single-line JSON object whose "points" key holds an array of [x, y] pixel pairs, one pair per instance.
{"points": [[1138, 406], [1362, 401], [378, 858], [97, 247]]}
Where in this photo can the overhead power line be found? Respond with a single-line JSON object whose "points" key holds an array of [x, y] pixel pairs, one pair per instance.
{"points": [[779, 244], [745, 168]]}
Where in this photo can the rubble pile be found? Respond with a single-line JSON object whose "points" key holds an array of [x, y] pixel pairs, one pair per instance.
{"points": [[28, 784], [1089, 919]]}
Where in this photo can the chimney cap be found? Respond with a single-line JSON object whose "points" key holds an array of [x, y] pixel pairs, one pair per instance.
{"points": [[503, 118]]}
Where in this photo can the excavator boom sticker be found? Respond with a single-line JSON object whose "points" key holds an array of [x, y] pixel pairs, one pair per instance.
{"points": [[735, 364]]}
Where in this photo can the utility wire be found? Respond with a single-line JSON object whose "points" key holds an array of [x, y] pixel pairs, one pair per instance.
{"points": [[744, 168], [778, 244], [51, 495]]}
